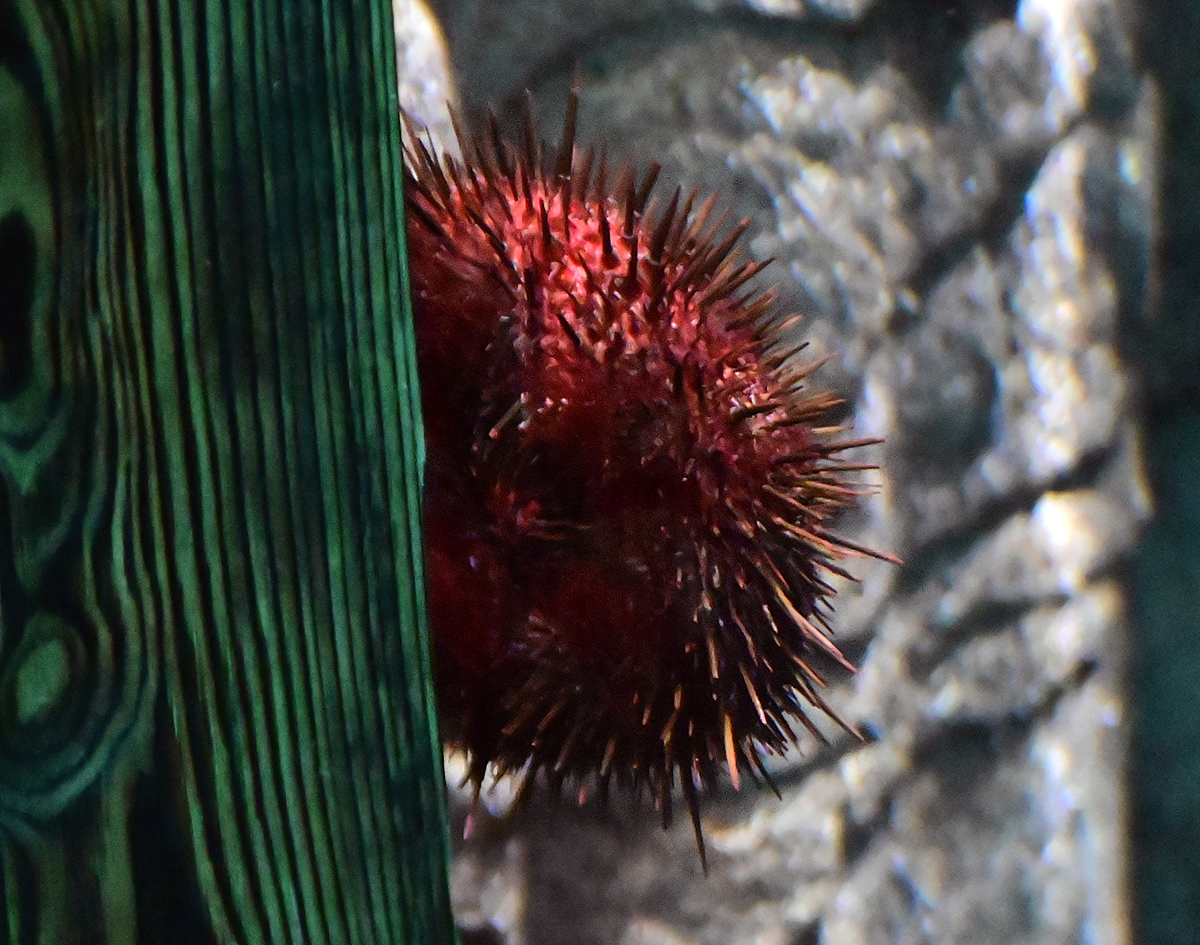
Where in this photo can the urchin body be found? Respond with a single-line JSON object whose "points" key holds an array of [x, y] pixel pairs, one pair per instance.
{"points": [[627, 488]]}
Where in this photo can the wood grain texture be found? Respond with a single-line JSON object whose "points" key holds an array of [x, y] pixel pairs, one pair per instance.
{"points": [[216, 718]]}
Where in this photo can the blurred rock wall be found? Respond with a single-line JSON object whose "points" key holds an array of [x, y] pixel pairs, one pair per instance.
{"points": [[961, 199]]}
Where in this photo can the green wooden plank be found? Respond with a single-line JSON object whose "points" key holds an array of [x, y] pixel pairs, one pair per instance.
{"points": [[212, 474]]}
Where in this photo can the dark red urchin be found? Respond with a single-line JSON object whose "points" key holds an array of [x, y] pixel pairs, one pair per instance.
{"points": [[627, 488]]}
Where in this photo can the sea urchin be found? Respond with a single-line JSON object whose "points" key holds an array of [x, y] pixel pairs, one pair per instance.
{"points": [[627, 486]]}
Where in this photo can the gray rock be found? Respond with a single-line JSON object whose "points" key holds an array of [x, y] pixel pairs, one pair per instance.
{"points": [[426, 83], [971, 259], [1008, 96], [500, 47], [847, 11]]}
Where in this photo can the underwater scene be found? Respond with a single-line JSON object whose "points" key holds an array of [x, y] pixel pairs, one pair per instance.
{"points": [[586, 472]]}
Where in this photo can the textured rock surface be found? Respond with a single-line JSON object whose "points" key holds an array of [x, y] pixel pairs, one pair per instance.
{"points": [[961, 197], [426, 82]]}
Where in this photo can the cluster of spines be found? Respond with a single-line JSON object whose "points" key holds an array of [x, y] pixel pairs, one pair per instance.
{"points": [[493, 171], [759, 613]]}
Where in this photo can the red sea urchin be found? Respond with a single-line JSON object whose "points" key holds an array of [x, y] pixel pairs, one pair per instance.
{"points": [[627, 488]]}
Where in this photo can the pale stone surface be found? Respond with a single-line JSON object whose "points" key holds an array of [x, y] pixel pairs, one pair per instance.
{"points": [[426, 82], [971, 254], [842, 10]]}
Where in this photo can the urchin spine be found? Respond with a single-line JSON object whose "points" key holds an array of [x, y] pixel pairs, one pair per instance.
{"points": [[626, 477]]}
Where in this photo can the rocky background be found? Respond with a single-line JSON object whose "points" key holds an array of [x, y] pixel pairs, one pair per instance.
{"points": [[963, 198]]}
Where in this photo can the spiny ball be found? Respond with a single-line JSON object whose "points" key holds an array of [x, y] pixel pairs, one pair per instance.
{"points": [[628, 486]]}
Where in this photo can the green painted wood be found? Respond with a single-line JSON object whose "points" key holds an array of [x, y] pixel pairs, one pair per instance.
{"points": [[216, 716]]}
